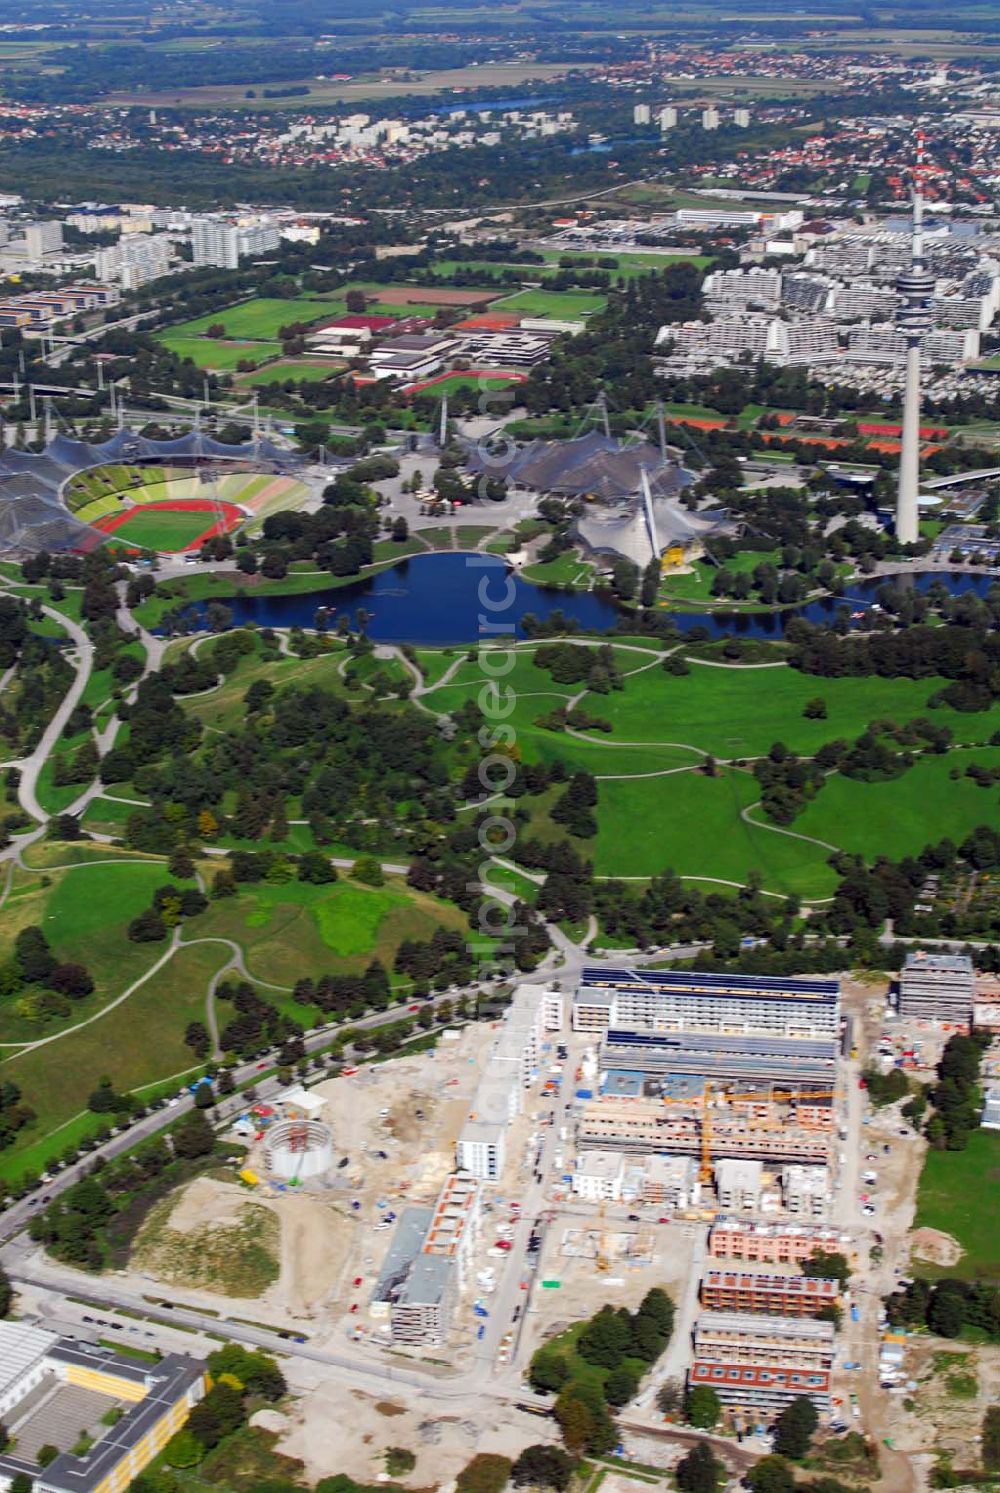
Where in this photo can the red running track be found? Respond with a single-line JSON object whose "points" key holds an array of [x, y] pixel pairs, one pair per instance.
{"points": [[230, 517]]}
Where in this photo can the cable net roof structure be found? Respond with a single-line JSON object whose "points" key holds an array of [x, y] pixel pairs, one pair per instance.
{"points": [[33, 515]]}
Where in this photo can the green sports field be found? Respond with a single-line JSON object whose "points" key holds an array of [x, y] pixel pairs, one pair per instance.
{"points": [[161, 529], [216, 355], [302, 370], [561, 305], [259, 319], [455, 381]]}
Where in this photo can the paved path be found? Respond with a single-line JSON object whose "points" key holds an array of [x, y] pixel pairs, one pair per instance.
{"points": [[31, 767]]}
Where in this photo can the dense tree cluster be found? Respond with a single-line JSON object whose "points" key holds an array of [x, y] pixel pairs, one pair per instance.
{"points": [[95, 1220], [621, 1345], [947, 1306], [42, 986], [256, 1025]]}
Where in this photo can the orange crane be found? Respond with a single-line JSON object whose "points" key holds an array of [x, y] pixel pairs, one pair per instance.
{"points": [[705, 1170]]}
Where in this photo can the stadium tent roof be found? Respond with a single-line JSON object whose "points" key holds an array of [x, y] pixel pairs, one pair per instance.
{"points": [[592, 465], [624, 531], [33, 515]]}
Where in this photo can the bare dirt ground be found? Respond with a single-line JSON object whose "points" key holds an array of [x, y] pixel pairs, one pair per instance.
{"points": [[206, 1204], [395, 1126], [935, 1247], [367, 1426], [584, 1289], [943, 1414], [309, 1244]]}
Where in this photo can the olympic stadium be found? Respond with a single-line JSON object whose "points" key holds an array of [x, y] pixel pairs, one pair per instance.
{"points": [[139, 494]]}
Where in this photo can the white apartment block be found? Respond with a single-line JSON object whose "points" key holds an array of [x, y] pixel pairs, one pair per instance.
{"points": [[885, 345], [41, 239], [937, 987], [216, 242], [738, 1184], [598, 1176], [482, 1149], [134, 261], [665, 1001], [670, 1181], [739, 290], [806, 1191], [866, 302], [511, 1065]]}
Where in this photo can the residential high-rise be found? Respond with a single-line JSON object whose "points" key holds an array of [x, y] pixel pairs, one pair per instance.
{"points": [[214, 243], [710, 118], [668, 117], [641, 114], [42, 239], [914, 317]]}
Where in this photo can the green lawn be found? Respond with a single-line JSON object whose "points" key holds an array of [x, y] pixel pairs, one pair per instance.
{"points": [[901, 816], [692, 824], [566, 570], [350, 917], [155, 528], [216, 355], [296, 929], [84, 913], [628, 265], [136, 1044], [741, 711], [959, 1193]]}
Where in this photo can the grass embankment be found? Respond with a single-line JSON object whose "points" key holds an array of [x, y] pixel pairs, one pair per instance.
{"points": [[138, 1043], [237, 1258], [295, 930]]}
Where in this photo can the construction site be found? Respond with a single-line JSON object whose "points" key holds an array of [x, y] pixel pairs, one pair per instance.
{"points": [[458, 1207]]}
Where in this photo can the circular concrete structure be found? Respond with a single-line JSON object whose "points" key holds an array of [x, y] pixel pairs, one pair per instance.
{"points": [[298, 1149]]}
